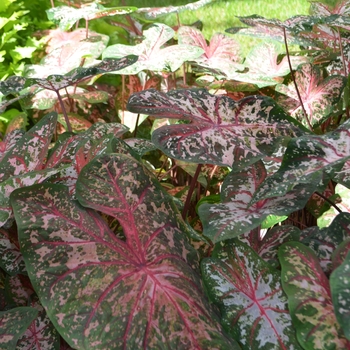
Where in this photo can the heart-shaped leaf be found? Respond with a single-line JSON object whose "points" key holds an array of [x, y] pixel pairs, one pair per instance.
{"points": [[339, 281], [307, 160], [137, 292], [317, 94], [13, 323], [66, 16], [249, 294], [222, 53], [309, 298], [58, 82], [218, 126], [325, 241], [152, 55], [236, 215], [30, 151]]}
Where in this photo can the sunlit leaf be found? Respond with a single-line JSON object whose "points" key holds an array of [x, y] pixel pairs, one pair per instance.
{"points": [[67, 16], [137, 292], [317, 94], [152, 55], [309, 298], [218, 126], [151, 13], [249, 294]]}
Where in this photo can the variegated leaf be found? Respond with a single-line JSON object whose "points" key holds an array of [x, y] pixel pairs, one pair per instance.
{"points": [[325, 241], [30, 151], [151, 13], [307, 160], [66, 16], [340, 253], [267, 247], [317, 94], [340, 281], [152, 55], [218, 126], [249, 294], [11, 260], [236, 215], [136, 292], [222, 53], [41, 334], [57, 82], [19, 181], [13, 323], [9, 141], [309, 299], [19, 290]]}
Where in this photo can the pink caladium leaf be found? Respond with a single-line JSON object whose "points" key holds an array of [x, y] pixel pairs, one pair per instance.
{"points": [[264, 68], [338, 7], [13, 323], [218, 125], [66, 16], [340, 253], [249, 294], [9, 141], [309, 298], [325, 241], [151, 53], [307, 160], [273, 29], [267, 247], [66, 55], [138, 292], [339, 283], [11, 259], [318, 94], [40, 334], [19, 290], [57, 82], [235, 215], [30, 151], [222, 53]]}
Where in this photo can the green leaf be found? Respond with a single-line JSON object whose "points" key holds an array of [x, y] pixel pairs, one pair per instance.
{"points": [[309, 299], [137, 292], [249, 294], [13, 323]]}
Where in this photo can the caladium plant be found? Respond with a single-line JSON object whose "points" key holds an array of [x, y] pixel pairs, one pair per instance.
{"points": [[98, 256]]}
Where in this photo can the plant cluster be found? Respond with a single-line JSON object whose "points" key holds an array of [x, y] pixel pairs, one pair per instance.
{"points": [[170, 194]]}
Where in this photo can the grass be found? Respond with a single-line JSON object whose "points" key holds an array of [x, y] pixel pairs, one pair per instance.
{"points": [[222, 14]]}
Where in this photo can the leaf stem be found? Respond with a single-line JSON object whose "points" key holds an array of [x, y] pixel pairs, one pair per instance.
{"points": [[329, 201], [69, 127], [293, 78], [190, 191]]}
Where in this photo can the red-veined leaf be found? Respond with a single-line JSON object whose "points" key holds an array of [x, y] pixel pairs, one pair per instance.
{"points": [[235, 215], [249, 294], [309, 299], [13, 323], [218, 124], [318, 95], [137, 292], [30, 151]]}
